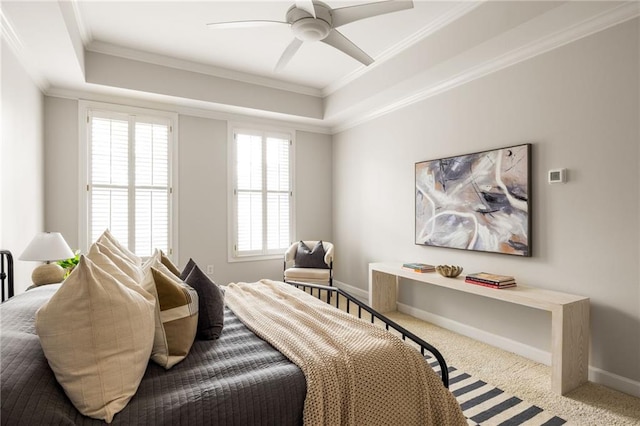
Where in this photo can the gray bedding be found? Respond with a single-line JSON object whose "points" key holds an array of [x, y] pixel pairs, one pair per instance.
{"points": [[238, 379]]}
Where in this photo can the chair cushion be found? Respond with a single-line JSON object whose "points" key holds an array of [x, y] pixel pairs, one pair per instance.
{"points": [[308, 258], [97, 334], [302, 274]]}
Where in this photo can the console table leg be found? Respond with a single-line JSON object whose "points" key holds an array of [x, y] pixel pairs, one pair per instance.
{"points": [[570, 346], [383, 291]]}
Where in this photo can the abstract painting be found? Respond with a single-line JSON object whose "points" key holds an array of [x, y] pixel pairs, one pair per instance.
{"points": [[477, 201]]}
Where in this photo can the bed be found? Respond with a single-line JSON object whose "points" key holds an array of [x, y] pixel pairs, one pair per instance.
{"points": [[238, 379]]}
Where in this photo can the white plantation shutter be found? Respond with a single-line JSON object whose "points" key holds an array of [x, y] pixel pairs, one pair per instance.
{"points": [[151, 188], [129, 180], [262, 193], [109, 182], [278, 190]]}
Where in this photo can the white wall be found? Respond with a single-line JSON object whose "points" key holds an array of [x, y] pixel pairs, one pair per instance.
{"points": [[578, 106], [201, 188], [61, 164], [21, 164]]}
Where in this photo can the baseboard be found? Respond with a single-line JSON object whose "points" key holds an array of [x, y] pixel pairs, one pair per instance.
{"points": [[596, 375], [518, 348], [359, 293], [614, 381]]}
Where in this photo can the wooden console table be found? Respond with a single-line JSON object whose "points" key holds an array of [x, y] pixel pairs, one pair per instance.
{"points": [[569, 315]]}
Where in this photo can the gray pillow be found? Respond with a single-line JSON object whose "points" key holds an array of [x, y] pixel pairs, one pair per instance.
{"points": [[210, 302], [187, 269], [307, 258]]}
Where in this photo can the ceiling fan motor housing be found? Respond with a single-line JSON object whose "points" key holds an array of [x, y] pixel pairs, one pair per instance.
{"points": [[307, 28]]}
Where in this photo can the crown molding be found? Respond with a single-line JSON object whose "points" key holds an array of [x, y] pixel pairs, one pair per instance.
{"points": [[600, 22], [187, 107], [156, 59], [83, 26], [442, 21], [9, 34], [16, 45]]}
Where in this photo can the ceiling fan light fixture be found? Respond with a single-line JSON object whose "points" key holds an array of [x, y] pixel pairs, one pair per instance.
{"points": [[313, 20], [310, 29]]}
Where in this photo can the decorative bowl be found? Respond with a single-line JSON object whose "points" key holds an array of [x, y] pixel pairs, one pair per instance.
{"points": [[449, 271]]}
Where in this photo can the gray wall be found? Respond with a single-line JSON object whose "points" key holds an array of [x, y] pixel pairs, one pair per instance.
{"points": [[21, 164], [62, 164], [578, 106], [201, 188]]}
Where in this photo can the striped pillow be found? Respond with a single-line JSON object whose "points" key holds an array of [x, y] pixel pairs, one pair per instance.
{"points": [[176, 318]]}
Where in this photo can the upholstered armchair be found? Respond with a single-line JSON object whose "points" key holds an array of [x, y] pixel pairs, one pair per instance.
{"points": [[309, 262]]}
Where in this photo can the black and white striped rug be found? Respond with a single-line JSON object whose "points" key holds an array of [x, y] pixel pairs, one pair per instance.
{"points": [[486, 405]]}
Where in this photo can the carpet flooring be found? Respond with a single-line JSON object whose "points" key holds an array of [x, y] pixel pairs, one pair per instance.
{"points": [[589, 405], [508, 378]]}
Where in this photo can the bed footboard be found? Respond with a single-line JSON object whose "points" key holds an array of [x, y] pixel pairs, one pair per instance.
{"points": [[332, 296]]}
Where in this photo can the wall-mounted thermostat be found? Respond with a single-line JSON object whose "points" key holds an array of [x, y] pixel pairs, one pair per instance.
{"points": [[558, 176]]}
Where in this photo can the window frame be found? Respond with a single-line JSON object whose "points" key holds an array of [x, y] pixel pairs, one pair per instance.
{"points": [[85, 111], [232, 222]]}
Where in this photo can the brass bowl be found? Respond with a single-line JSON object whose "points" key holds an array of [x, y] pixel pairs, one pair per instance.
{"points": [[449, 271]]}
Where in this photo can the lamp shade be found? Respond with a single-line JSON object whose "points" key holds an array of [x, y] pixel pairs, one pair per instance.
{"points": [[47, 246]]}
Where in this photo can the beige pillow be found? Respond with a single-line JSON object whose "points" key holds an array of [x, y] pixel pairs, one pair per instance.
{"points": [[107, 248], [108, 236], [156, 260], [101, 256], [176, 313], [169, 264], [97, 335]]}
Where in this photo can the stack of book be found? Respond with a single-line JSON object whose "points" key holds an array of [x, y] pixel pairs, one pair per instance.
{"points": [[419, 267], [491, 280]]}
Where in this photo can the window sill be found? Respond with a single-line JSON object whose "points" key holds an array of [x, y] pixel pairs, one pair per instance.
{"points": [[256, 258]]}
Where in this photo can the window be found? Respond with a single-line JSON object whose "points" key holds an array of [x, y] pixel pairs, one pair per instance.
{"points": [[261, 193], [128, 175]]}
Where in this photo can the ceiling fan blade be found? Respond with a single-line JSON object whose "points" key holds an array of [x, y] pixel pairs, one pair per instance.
{"points": [[344, 15], [340, 42], [288, 53], [243, 24], [306, 5]]}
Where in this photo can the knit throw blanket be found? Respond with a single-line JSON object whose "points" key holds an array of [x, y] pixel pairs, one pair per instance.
{"points": [[356, 373]]}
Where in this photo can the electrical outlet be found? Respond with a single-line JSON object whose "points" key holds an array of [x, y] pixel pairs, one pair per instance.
{"points": [[209, 269]]}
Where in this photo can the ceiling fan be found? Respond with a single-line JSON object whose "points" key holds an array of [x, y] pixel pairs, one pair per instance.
{"points": [[313, 20]]}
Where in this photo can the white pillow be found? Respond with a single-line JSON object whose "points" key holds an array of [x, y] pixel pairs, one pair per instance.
{"points": [[97, 335]]}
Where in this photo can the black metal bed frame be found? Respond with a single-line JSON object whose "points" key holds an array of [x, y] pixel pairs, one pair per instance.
{"points": [[6, 276], [389, 324]]}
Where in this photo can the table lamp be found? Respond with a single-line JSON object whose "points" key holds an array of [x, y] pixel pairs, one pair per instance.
{"points": [[47, 247]]}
